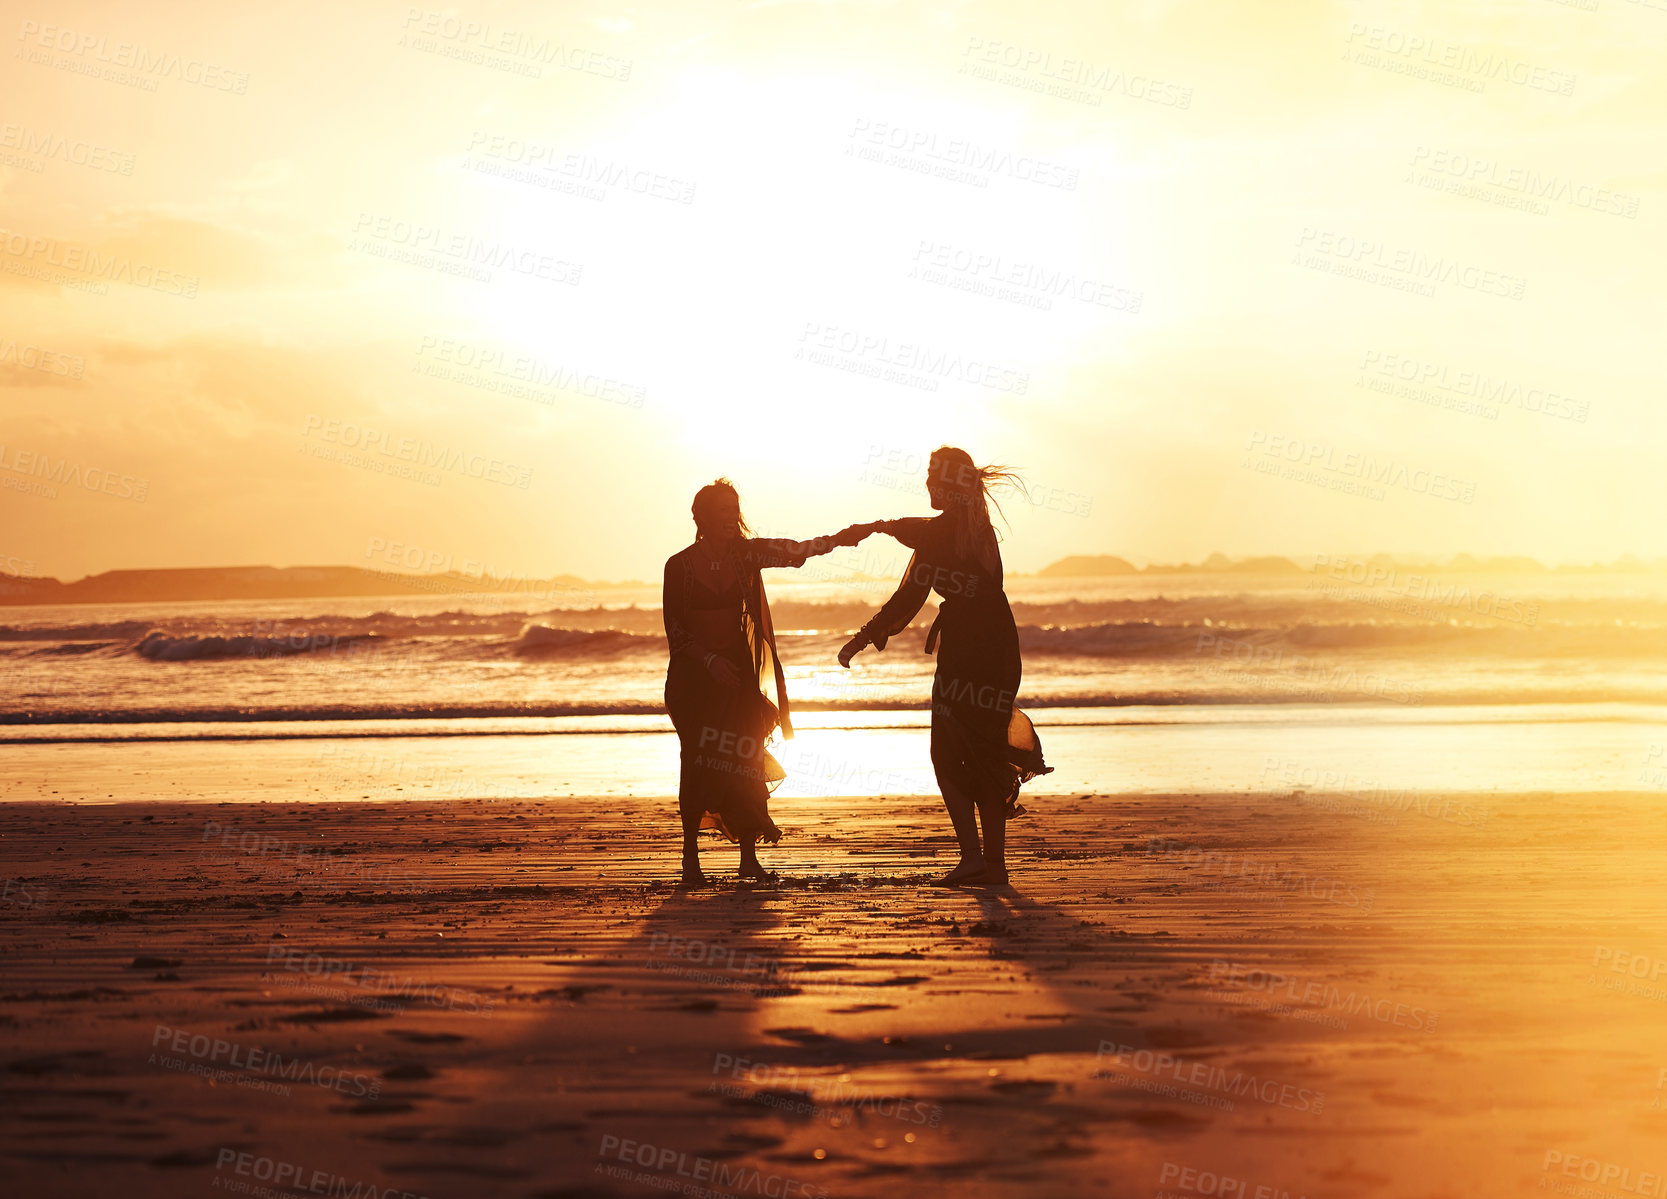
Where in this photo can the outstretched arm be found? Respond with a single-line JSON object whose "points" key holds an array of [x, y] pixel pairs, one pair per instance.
{"points": [[912, 531], [765, 552], [894, 616]]}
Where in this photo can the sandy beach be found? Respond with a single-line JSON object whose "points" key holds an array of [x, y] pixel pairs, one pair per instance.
{"points": [[1178, 995]]}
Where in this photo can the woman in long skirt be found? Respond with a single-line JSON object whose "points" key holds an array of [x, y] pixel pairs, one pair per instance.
{"points": [[725, 689], [983, 747]]}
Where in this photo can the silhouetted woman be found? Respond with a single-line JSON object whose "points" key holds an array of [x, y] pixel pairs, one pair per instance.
{"points": [[723, 673], [983, 747]]}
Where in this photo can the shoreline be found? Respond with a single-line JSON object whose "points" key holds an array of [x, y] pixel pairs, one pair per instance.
{"points": [[1265, 695], [1463, 754]]}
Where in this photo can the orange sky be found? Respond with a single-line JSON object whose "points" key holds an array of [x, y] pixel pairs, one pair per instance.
{"points": [[265, 277]]}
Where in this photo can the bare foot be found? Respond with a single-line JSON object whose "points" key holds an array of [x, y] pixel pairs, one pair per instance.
{"points": [[969, 869], [692, 877], [990, 876], [755, 872]]}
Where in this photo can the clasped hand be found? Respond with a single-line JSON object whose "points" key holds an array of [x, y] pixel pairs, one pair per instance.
{"points": [[853, 534]]}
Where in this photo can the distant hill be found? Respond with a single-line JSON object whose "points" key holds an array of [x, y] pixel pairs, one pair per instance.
{"points": [[1090, 566], [272, 582], [1270, 565], [1087, 566], [1518, 565]]}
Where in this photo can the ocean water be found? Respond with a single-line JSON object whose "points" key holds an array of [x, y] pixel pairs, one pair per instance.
{"points": [[1176, 682], [1086, 643]]}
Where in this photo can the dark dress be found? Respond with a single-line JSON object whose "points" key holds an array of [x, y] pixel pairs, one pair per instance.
{"points": [[726, 773], [982, 744]]}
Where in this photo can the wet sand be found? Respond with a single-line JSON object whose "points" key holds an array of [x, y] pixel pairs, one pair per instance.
{"points": [[1178, 995]]}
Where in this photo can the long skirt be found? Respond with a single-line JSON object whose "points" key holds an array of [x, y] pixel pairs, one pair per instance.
{"points": [[726, 774], [982, 744]]}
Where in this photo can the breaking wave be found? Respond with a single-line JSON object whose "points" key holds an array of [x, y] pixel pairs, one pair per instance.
{"points": [[542, 641], [160, 647]]}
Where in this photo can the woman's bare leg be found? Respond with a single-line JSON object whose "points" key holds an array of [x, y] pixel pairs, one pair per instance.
{"points": [[691, 847], [751, 867], [994, 818], [961, 810], [946, 759]]}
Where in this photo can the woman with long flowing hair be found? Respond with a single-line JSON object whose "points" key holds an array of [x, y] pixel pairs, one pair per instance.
{"points": [[724, 672], [983, 747]]}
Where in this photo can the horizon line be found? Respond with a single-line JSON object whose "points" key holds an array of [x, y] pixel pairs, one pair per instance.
{"points": [[485, 571]]}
